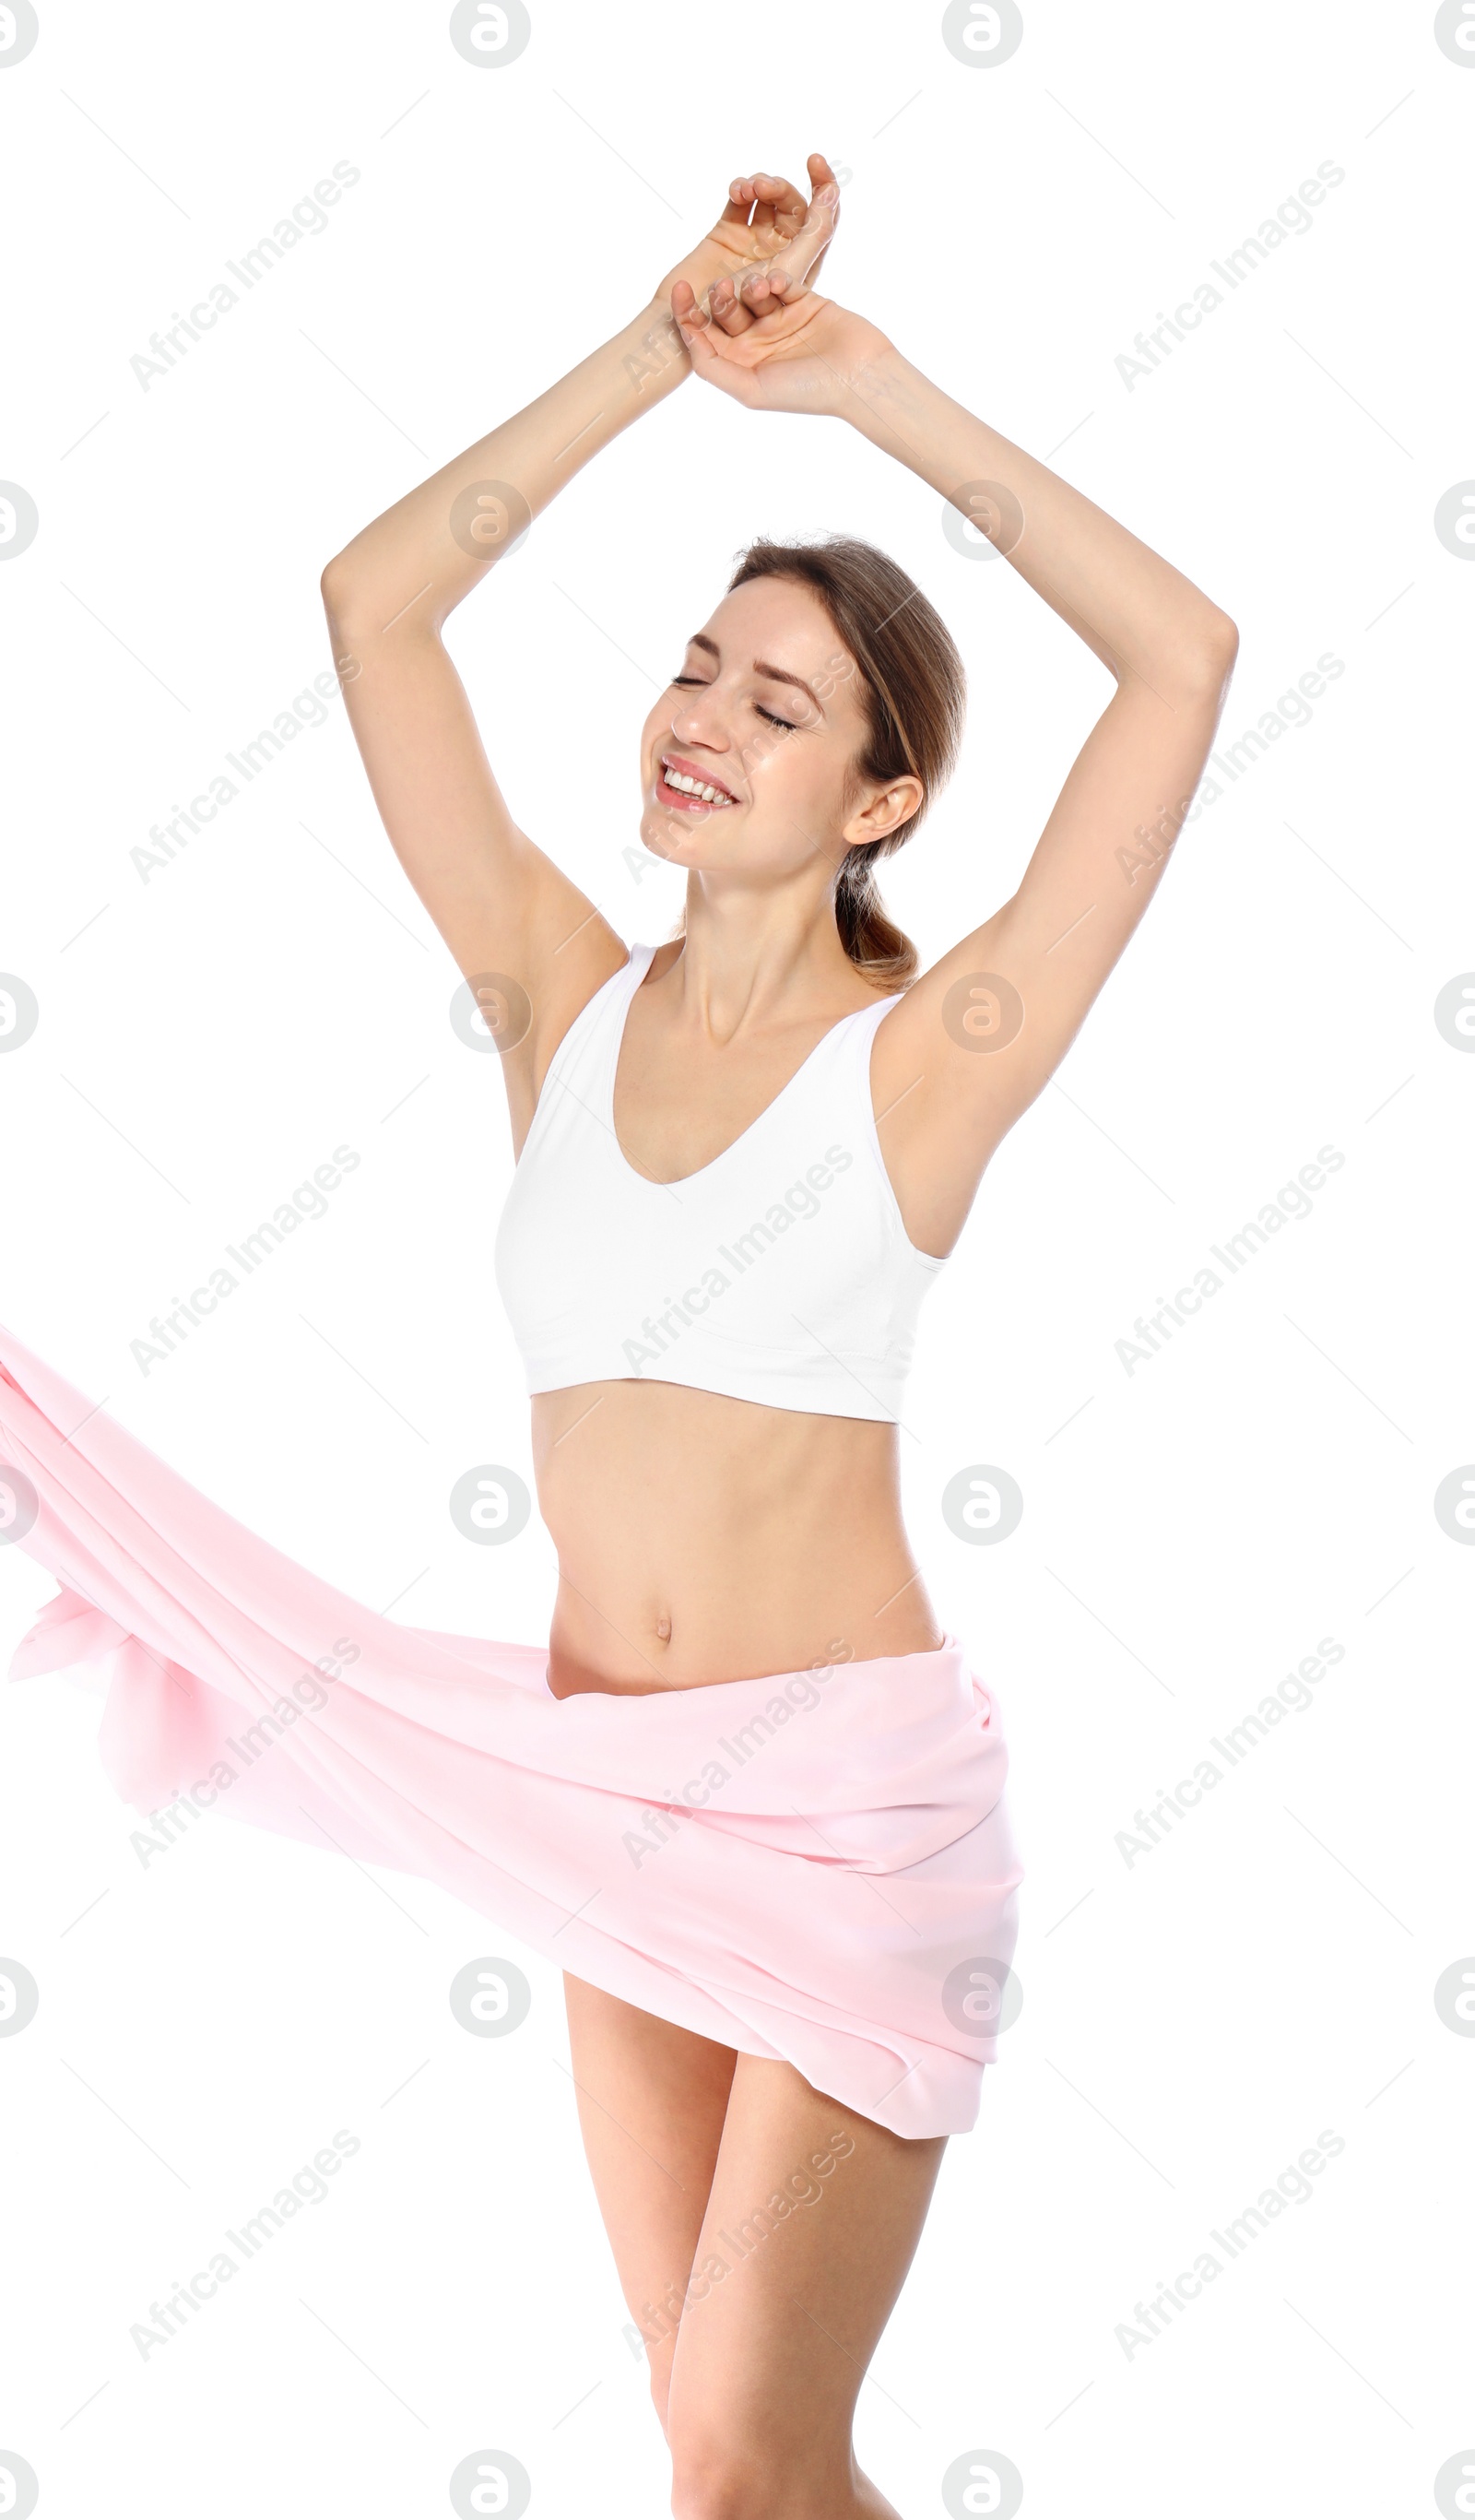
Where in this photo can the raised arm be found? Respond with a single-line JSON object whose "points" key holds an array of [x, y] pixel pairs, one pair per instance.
{"points": [[501, 904], [975, 1039]]}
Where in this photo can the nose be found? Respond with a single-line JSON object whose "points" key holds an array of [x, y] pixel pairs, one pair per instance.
{"points": [[699, 720]]}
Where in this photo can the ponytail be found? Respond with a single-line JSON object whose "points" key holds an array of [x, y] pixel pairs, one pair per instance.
{"points": [[876, 945]]}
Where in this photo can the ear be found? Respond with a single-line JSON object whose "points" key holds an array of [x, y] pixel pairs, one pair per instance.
{"points": [[887, 807]]}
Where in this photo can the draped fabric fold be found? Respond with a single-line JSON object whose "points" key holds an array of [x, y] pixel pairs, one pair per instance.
{"points": [[815, 1865]]}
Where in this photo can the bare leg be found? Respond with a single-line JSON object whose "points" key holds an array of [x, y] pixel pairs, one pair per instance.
{"points": [[652, 2103], [762, 2233], [769, 2359]]}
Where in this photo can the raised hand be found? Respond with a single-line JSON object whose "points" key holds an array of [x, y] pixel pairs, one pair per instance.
{"points": [[759, 220], [764, 336]]}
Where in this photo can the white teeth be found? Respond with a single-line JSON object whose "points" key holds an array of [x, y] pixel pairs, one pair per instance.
{"points": [[693, 786]]}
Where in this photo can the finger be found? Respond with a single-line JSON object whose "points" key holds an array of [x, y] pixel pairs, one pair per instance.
{"points": [[780, 290], [726, 308], [815, 235], [705, 345], [692, 322], [764, 292], [740, 201], [814, 240], [780, 203]]}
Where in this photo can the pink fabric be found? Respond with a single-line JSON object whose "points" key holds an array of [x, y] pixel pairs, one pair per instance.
{"points": [[801, 1866]]}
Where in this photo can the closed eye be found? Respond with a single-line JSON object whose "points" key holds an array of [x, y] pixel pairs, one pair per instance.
{"points": [[696, 682]]}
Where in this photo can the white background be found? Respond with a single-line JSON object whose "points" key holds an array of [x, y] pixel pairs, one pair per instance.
{"points": [[1192, 2020]]}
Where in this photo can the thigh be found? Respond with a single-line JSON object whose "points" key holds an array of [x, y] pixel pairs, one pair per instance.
{"points": [[651, 2100], [812, 2219]]}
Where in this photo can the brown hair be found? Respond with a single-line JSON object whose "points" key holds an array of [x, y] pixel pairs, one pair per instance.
{"points": [[913, 691]]}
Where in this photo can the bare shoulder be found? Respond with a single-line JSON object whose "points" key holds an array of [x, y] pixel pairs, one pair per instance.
{"points": [[925, 1056], [936, 1018], [565, 972]]}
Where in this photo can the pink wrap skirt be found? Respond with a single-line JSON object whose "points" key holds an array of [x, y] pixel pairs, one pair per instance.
{"points": [[814, 1865]]}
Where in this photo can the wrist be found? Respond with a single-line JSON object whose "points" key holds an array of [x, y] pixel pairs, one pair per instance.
{"points": [[877, 385], [653, 357]]}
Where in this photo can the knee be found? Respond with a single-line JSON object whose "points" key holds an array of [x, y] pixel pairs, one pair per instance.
{"points": [[719, 2489], [722, 2481]]}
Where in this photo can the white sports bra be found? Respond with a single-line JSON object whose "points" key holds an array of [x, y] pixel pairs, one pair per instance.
{"points": [[780, 1272]]}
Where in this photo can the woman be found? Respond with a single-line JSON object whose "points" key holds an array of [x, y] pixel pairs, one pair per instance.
{"points": [[703, 1535], [743, 1156]]}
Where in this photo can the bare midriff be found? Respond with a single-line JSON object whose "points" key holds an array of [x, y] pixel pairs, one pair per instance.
{"points": [[703, 1539]]}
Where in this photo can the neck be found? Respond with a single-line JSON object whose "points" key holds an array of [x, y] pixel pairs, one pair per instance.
{"points": [[761, 960]]}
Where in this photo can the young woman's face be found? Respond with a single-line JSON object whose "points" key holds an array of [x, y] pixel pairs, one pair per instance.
{"points": [[765, 711]]}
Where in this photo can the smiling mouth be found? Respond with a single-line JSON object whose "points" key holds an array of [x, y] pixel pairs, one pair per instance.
{"points": [[684, 792]]}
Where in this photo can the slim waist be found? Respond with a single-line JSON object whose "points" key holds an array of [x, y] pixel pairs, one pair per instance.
{"points": [[798, 1689]]}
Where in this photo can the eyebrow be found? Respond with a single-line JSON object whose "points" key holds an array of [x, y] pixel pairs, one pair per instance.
{"points": [[769, 673]]}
